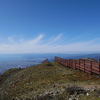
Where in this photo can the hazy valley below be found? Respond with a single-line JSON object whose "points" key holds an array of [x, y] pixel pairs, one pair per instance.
{"points": [[8, 61], [22, 63]]}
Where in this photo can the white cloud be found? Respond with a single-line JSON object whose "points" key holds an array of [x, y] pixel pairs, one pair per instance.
{"points": [[55, 39], [21, 40], [11, 39], [22, 47], [75, 38], [34, 41], [33, 46]]}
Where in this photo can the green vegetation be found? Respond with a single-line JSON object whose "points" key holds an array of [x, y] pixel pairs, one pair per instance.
{"points": [[39, 80]]}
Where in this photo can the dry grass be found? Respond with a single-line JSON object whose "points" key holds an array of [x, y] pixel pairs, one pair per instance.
{"points": [[28, 83]]}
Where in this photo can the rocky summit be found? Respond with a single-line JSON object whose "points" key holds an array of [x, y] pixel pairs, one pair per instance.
{"points": [[48, 81]]}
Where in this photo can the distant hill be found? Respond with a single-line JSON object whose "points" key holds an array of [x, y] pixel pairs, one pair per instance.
{"points": [[95, 56], [8, 61], [91, 59], [49, 55]]}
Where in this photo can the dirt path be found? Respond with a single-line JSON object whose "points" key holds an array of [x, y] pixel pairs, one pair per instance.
{"points": [[88, 86]]}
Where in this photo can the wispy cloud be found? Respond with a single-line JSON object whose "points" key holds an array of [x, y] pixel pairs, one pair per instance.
{"points": [[22, 47], [34, 46], [36, 40], [76, 38], [21, 40], [55, 39], [11, 39]]}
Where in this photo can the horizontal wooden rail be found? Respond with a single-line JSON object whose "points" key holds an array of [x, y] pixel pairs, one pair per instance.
{"points": [[45, 61], [87, 66]]}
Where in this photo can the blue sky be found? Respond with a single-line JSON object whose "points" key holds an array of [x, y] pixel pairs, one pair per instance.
{"points": [[49, 26]]}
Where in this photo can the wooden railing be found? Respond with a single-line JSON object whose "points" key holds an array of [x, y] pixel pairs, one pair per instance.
{"points": [[45, 61], [87, 66]]}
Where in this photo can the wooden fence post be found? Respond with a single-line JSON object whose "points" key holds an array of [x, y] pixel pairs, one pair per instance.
{"points": [[69, 63], [79, 64], [99, 67], [84, 66], [91, 66], [75, 64]]}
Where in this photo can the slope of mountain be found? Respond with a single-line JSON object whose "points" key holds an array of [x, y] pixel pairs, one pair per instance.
{"points": [[42, 82]]}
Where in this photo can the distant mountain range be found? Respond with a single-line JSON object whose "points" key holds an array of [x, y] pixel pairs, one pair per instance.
{"points": [[96, 56], [66, 56], [48, 55], [12, 61]]}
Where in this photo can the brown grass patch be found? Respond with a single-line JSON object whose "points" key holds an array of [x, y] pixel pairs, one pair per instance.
{"points": [[45, 67]]}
